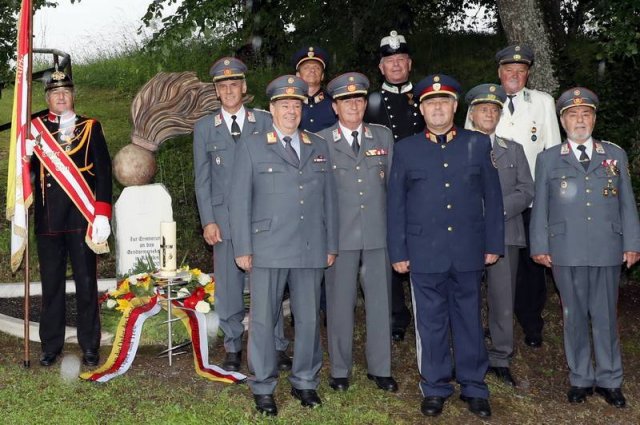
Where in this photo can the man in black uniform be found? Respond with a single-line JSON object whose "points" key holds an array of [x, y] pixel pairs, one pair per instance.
{"points": [[395, 107], [317, 112], [72, 211]]}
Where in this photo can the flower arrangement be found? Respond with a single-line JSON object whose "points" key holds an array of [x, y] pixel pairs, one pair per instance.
{"points": [[135, 290]]}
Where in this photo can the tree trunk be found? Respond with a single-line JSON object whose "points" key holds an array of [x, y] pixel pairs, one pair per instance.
{"points": [[523, 22]]}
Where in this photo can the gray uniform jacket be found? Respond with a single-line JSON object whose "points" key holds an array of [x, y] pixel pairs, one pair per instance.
{"points": [[584, 218], [517, 188], [362, 185], [213, 158], [283, 215]]}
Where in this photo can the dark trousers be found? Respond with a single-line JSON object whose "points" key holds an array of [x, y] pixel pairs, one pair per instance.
{"points": [[531, 288], [53, 251], [443, 302], [400, 315]]}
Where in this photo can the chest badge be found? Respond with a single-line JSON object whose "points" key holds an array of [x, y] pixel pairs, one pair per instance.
{"points": [[218, 160]]}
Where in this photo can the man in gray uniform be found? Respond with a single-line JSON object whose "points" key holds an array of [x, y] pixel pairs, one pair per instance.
{"points": [[486, 102], [584, 225], [361, 157], [284, 227], [214, 144]]}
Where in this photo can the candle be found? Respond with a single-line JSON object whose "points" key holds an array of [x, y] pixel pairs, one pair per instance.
{"points": [[168, 246]]}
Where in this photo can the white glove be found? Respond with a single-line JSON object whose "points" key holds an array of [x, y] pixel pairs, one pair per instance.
{"points": [[29, 144], [100, 229]]}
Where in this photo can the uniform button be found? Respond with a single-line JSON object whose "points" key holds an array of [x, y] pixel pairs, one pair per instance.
{"points": [[445, 165], [589, 218], [300, 172], [448, 206], [311, 120], [361, 207], [388, 107], [311, 105], [301, 217], [394, 126], [396, 136], [386, 98], [361, 193], [447, 185], [300, 187], [359, 180], [450, 228], [588, 204], [586, 177], [390, 116], [270, 170], [48, 175], [588, 190], [415, 114], [443, 146], [357, 167], [48, 184], [301, 202], [334, 167]]}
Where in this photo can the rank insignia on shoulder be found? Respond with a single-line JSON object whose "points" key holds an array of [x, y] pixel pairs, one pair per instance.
{"points": [[599, 148], [251, 116], [271, 138], [336, 135], [564, 150], [367, 133], [376, 152], [217, 120], [305, 138], [319, 159], [319, 98]]}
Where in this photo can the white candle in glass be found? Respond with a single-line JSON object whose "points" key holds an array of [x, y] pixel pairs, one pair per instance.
{"points": [[168, 246]]}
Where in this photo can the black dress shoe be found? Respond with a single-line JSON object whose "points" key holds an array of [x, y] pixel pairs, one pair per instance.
{"points": [[232, 361], [266, 404], [90, 357], [432, 405], [284, 361], [397, 334], [386, 383], [339, 384], [578, 394], [308, 398], [613, 396], [534, 341], [477, 405], [47, 359], [503, 374]]}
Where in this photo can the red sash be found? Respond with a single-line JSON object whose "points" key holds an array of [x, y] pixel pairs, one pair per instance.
{"points": [[66, 173]]}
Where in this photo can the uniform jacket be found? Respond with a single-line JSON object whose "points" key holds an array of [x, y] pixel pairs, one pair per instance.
{"points": [[362, 185], [572, 219], [283, 215], [517, 188], [317, 112], [534, 124], [213, 158], [444, 203], [55, 212], [396, 109]]}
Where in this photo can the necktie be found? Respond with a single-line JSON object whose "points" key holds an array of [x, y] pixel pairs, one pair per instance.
{"points": [[235, 128], [584, 158], [511, 106], [293, 155], [355, 145]]}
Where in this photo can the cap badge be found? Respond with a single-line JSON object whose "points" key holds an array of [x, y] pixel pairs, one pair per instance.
{"points": [[227, 61], [351, 78], [394, 41], [437, 86], [351, 87], [227, 71], [578, 101], [310, 54], [491, 96], [492, 89], [290, 90], [311, 49], [576, 92], [517, 48], [517, 57], [436, 78], [57, 75], [290, 80]]}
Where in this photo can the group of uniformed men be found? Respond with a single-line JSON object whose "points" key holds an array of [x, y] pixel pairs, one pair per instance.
{"points": [[351, 187]]}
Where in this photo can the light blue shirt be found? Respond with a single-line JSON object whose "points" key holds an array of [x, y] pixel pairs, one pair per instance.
{"points": [[295, 139]]}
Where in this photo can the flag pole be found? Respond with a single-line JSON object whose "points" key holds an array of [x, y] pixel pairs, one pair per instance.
{"points": [[27, 281]]}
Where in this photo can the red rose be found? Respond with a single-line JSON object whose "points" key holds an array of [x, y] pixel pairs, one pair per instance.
{"points": [[190, 302], [128, 296]]}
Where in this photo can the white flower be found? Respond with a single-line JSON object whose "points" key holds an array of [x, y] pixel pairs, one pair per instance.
{"points": [[111, 303], [203, 279], [203, 307], [133, 279], [183, 293]]}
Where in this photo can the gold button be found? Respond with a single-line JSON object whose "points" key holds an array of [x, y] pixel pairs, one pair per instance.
{"points": [[450, 228], [445, 165], [448, 206], [447, 185]]}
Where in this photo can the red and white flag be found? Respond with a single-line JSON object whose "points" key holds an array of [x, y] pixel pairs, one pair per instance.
{"points": [[19, 191]]}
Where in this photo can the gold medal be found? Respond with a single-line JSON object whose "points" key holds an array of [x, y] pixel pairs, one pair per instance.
{"points": [[605, 191], [614, 192]]}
